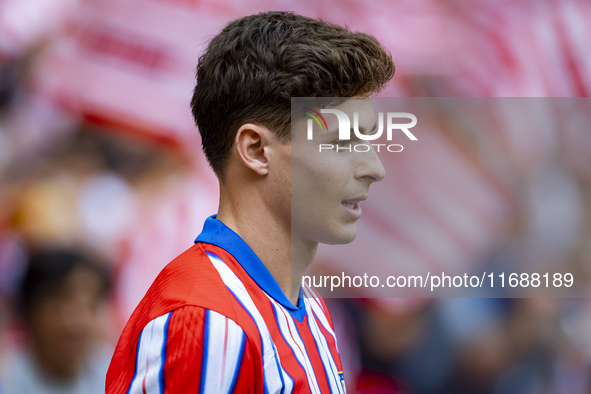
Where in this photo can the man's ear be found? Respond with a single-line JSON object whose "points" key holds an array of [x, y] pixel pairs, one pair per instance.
{"points": [[251, 144]]}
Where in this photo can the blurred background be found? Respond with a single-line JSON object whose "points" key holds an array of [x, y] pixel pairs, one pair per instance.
{"points": [[102, 183]]}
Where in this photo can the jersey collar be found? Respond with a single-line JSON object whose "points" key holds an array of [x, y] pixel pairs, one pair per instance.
{"points": [[217, 233]]}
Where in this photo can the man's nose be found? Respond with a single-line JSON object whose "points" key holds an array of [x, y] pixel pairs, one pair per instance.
{"points": [[370, 166]]}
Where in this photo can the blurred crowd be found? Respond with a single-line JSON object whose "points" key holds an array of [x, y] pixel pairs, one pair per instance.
{"points": [[102, 183]]}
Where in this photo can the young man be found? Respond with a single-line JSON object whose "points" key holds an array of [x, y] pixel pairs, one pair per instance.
{"points": [[229, 315]]}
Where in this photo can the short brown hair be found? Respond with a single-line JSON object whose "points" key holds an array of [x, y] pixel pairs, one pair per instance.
{"points": [[252, 69]]}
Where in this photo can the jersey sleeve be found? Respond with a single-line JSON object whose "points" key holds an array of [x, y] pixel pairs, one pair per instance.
{"points": [[190, 350]]}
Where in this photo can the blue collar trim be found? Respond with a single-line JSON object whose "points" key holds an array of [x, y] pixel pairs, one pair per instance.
{"points": [[217, 233]]}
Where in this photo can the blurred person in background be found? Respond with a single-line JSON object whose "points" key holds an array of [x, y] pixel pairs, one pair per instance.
{"points": [[59, 301]]}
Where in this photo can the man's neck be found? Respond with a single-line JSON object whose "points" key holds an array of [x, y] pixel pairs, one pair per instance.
{"points": [[270, 239]]}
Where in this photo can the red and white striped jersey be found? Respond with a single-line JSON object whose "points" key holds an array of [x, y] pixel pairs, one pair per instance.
{"points": [[216, 321]]}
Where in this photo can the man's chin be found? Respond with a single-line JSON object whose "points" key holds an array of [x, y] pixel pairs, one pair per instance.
{"points": [[344, 234], [345, 237]]}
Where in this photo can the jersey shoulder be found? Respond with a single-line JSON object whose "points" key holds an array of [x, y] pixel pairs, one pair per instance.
{"points": [[187, 308], [188, 280]]}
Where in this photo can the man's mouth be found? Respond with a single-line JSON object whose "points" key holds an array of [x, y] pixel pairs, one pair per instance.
{"points": [[352, 206], [353, 201]]}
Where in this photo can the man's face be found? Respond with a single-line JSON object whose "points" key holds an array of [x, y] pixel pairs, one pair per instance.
{"points": [[328, 186]]}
